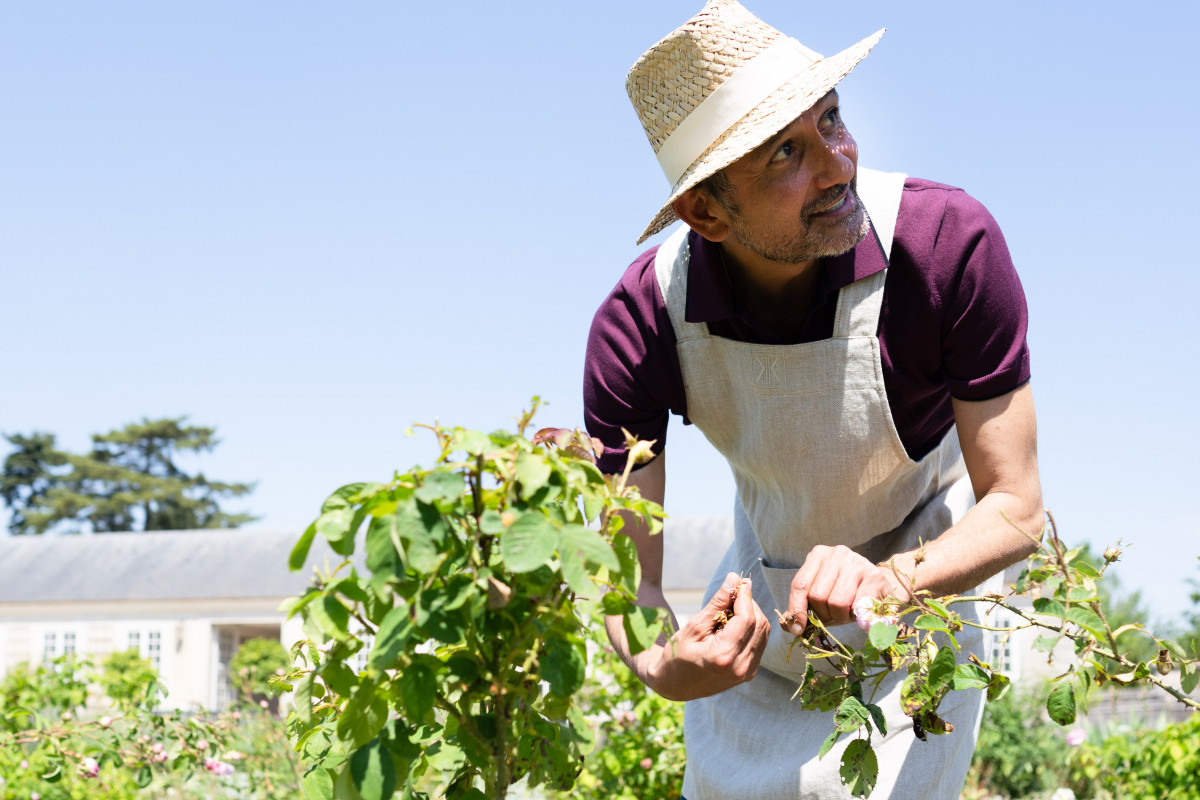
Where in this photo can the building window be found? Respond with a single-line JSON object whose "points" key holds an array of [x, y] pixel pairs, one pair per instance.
{"points": [[49, 646], [68, 645], [154, 649], [148, 643]]}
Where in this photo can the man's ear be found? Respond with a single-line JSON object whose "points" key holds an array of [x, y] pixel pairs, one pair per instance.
{"points": [[701, 212]]}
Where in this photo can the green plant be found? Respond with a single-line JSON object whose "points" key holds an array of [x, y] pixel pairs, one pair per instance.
{"points": [[472, 619], [126, 676], [51, 745], [256, 662], [638, 752], [1019, 752], [1067, 606], [1142, 764]]}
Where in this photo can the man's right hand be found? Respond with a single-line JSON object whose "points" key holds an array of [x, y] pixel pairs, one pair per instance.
{"points": [[703, 658]]}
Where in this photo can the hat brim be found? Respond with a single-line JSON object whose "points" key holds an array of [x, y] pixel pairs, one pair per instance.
{"points": [[772, 115]]}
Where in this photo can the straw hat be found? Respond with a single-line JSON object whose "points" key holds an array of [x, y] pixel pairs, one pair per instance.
{"points": [[722, 84]]}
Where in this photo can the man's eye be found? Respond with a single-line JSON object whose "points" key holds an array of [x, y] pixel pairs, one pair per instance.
{"points": [[833, 116], [784, 152]]}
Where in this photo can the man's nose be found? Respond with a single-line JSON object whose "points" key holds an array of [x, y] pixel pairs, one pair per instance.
{"points": [[837, 163]]}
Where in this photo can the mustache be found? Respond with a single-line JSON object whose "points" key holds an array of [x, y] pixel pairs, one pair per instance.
{"points": [[829, 197]]}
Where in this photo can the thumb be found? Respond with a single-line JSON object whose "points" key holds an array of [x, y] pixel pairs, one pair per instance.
{"points": [[724, 597]]}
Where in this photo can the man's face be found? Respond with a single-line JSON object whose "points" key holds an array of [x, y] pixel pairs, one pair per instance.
{"points": [[792, 199]]}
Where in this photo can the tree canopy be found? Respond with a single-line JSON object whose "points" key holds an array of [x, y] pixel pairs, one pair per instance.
{"points": [[130, 481]]}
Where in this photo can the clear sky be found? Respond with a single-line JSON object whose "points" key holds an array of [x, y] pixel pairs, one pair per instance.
{"points": [[311, 224]]}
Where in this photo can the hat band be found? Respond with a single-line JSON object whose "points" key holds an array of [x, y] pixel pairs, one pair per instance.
{"points": [[733, 99]]}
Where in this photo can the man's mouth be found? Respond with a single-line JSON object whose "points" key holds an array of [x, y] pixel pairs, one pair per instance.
{"points": [[836, 204]]}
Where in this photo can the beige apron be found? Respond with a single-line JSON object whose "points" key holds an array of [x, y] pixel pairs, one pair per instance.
{"points": [[816, 459]]}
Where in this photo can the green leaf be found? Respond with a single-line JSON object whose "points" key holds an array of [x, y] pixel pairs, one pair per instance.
{"points": [[300, 551], [423, 530], [969, 676], [339, 677], [1087, 620], [143, 777], [821, 692], [317, 785], [341, 499], [1060, 705], [1189, 676], [931, 622], [473, 443], [381, 550], [373, 772], [1084, 568], [1045, 643], [331, 616], [640, 628], [364, 716], [491, 522], [615, 604], [941, 670], [563, 667], [575, 573], [883, 636], [532, 473], [860, 768], [938, 607], [851, 715], [418, 684], [915, 693], [391, 637], [828, 744], [440, 488], [337, 528], [631, 570], [878, 718], [1052, 608], [529, 542], [589, 544], [54, 774]]}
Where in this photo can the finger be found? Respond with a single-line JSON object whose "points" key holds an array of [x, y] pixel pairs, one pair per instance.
{"points": [[799, 593], [825, 583], [722, 598]]}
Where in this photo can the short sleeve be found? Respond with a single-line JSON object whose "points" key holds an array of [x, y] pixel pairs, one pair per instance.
{"points": [[631, 376], [984, 348]]}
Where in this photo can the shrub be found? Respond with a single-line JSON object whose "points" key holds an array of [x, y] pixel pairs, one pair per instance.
{"points": [[255, 663], [1020, 752], [1141, 764]]}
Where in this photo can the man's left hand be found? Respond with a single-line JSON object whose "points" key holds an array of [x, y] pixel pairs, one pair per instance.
{"points": [[829, 582]]}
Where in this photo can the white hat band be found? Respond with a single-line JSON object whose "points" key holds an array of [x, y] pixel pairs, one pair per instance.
{"points": [[733, 99]]}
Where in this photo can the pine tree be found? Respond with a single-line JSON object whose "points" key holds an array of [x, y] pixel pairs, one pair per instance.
{"points": [[128, 482]]}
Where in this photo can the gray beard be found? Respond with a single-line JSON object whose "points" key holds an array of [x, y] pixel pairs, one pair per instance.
{"points": [[808, 244]]}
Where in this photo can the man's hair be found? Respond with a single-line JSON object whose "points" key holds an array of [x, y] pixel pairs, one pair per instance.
{"points": [[720, 188]]}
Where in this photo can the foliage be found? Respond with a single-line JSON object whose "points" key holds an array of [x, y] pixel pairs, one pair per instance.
{"points": [[1122, 610], [1019, 752], [125, 675], [54, 747], [256, 662], [1142, 764], [471, 623], [638, 752], [129, 481], [1066, 606], [1191, 634]]}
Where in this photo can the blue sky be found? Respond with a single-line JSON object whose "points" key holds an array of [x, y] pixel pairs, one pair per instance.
{"points": [[311, 224]]}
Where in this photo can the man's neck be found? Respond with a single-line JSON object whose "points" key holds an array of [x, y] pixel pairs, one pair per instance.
{"points": [[776, 293]]}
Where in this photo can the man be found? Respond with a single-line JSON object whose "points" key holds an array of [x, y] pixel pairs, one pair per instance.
{"points": [[854, 343]]}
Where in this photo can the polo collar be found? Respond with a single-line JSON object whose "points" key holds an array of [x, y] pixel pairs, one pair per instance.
{"points": [[710, 296]]}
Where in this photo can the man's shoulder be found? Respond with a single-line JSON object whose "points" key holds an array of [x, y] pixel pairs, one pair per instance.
{"points": [[933, 215]]}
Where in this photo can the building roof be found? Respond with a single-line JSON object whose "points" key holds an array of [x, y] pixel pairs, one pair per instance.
{"points": [[235, 564]]}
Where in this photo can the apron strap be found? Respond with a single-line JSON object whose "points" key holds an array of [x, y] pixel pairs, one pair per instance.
{"points": [[671, 268], [859, 303]]}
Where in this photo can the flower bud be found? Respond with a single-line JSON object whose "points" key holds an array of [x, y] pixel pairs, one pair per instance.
{"points": [[106, 721], [1112, 554], [646, 763], [1163, 664], [89, 767]]}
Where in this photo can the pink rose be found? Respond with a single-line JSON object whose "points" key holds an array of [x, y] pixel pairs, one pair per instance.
{"points": [[202, 744], [646, 763], [106, 722], [1076, 737], [234, 755], [89, 767], [218, 767], [160, 758], [158, 747], [869, 610]]}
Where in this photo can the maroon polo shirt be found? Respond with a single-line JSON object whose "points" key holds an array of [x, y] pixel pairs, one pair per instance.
{"points": [[952, 324]]}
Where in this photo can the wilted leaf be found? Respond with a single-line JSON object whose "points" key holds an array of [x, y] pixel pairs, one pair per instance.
{"points": [[851, 714]]}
